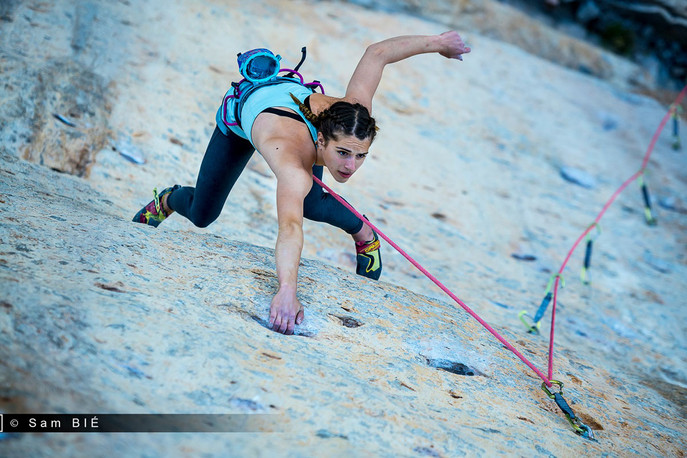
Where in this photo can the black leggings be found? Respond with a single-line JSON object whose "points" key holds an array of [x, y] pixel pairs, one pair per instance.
{"points": [[224, 160]]}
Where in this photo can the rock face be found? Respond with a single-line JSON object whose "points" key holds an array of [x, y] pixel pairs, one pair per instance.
{"points": [[506, 23], [138, 320], [55, 108], [646, 30], [669, 16], [652, 32], [70, 119], [100, 315]]}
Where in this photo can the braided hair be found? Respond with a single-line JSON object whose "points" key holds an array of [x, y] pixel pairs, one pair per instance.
{"points": [[341, 118]]}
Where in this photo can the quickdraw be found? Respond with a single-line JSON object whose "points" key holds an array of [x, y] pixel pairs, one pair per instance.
{"points": [[584, 275], [677, 110], [650, 220], [579, 427], [548, 295]]}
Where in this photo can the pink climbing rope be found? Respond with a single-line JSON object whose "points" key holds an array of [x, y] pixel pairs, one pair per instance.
{"points": [[610, 201], [546, 379], [437, 282]]}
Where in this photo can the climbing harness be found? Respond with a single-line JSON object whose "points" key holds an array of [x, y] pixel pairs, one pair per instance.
{"points": [[260, 67]]}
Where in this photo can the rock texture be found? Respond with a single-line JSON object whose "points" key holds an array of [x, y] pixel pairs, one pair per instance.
{"points": [[652, 32], [137, 320], [102, 315], [668, 15], [506, 23], [67, 95], [584, 35], [55, 106]]}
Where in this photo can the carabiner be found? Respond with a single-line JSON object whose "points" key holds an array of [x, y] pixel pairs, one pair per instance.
{"points": [[548, 295], [584, 276], [531, 328], [650, 220], [546, 388], [580, 428], [676, 109]]}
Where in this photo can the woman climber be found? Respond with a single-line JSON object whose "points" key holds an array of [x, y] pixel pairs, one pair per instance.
{"points": [[298, 132]]}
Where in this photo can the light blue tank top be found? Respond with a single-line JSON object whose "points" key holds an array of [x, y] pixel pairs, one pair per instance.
{"points": [[276, 95]]}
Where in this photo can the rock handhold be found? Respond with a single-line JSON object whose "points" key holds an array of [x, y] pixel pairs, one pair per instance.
{"points": [[657, 264], [672, 204], [452, 366], [70, 123], [523, 257], [578, 177]]}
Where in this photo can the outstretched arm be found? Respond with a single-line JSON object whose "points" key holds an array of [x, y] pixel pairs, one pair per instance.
{"points": [[293, 183], [368, 73]]}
